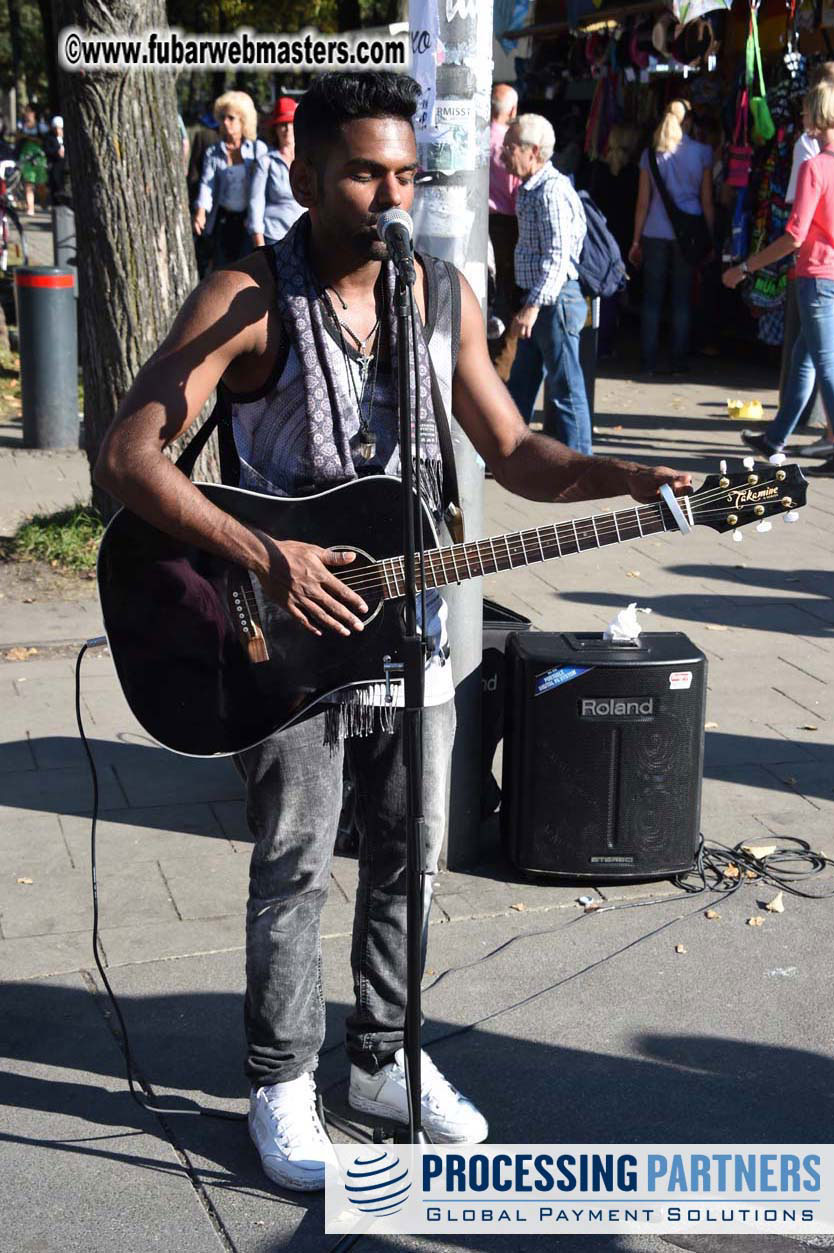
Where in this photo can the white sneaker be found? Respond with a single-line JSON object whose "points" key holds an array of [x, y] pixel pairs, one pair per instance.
{"points": [[287, 1132], [447, 1116]]}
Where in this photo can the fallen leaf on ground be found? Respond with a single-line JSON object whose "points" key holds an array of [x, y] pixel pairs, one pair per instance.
{"points": [[19, 654], [777, 905], [25, 880], [731, 871], [710, 726], [791, 781], [712, 913], [750, 874], [808, 726], [679, 948], [632, 574], [716, 626], [520, 906], [28, 600], [755, 922], [429, 971], [759, 850]]}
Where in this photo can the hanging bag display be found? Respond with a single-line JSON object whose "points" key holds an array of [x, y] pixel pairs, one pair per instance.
{"points": [[763, 128], [740, 151]]}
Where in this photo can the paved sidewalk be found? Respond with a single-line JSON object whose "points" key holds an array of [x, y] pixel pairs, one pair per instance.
{"points": [[589, 1027]]}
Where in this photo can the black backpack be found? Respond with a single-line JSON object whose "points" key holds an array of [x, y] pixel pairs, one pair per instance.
{"points": [[601, 268]]}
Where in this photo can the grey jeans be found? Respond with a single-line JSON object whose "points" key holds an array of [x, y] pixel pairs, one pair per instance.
{"points": [[294, 798]]}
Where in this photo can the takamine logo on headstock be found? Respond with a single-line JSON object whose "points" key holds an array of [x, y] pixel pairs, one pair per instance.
{"points": [[749, 495], [728, 501]]}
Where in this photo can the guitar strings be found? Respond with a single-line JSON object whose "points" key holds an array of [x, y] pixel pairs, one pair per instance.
{"points": [[516, 543], [604, 523]]}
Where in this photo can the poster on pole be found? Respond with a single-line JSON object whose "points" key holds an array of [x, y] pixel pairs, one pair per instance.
{"points": [[425, 55]]}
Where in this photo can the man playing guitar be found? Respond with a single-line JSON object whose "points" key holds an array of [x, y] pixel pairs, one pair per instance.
{"points": [[298, 340]]}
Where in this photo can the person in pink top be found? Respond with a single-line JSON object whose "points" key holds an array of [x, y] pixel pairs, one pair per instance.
{"points": [[809, 234], [503, 224]]}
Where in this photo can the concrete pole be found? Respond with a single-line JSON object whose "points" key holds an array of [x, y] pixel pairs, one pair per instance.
{"points": [[452, 60]]}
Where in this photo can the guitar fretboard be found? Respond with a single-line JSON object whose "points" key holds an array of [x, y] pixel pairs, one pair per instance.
{"points": [[459, 562]]}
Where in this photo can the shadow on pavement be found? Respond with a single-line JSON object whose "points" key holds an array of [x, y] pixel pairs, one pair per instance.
{"points": [[745, 613], [680, 1088]]}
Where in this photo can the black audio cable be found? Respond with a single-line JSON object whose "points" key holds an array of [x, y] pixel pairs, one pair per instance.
{"points": [[133, 1084]]}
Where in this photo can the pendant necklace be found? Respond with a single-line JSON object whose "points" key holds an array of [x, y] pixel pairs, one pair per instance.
{"points": [[367, 441]]}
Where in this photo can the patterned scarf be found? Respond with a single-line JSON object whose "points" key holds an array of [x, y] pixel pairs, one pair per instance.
{"points": [[329, 459]]}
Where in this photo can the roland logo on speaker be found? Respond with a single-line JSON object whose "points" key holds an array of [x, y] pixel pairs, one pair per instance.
{"points": [[617, 707]]}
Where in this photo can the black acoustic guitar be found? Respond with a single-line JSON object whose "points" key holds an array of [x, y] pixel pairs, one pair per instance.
{"points": [[209, 667]]}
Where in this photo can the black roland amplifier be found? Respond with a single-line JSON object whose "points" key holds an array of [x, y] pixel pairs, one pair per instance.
{"points": [[603, 755]]}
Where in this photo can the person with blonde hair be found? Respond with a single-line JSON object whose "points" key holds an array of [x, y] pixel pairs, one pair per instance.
{"points": [[223, 194], [685, 169], [810, 235]]}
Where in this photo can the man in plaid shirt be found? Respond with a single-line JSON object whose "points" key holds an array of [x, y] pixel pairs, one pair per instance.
{"points": [[551, 231]]}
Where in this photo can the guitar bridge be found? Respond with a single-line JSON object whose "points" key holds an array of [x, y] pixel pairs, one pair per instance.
{"points": [[246, 617]]}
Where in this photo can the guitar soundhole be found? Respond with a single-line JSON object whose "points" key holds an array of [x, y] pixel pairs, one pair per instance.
{"points": [[365, 576]]}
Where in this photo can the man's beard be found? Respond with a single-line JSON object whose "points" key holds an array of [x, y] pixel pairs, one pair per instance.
{"points": [[369, 246]]}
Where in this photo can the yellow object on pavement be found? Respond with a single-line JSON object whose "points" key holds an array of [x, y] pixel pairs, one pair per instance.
{"points": [[745, 410]]}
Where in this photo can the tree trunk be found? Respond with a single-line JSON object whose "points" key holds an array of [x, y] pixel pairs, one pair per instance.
{"points": [[135, 252], [16, 41], [349, 16], [50, 52]]}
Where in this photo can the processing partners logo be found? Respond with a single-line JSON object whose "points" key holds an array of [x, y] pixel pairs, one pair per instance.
{"points": [[378, 1182], [582, 1189]]}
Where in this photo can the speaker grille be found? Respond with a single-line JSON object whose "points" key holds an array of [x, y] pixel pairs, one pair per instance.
{"points": [[603, 797]]}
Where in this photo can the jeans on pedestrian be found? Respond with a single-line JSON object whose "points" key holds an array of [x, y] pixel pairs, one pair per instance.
{"points": [[812, 360], [552, 352], [293, 801], [662, 260], [813, 414]]}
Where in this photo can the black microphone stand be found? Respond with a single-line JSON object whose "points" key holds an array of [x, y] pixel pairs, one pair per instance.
{"points": [[413, 654], [412, 651]]}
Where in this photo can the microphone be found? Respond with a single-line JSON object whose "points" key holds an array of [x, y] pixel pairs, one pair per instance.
{"points": [[396, 229]]}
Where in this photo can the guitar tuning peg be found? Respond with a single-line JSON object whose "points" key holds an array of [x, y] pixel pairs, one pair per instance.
{"points": [[722, 467], [764, 525], [777, 459], [738, 536], [793, 516], [749, 463]]}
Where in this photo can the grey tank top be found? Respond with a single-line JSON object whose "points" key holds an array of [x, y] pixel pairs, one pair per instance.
{"points": [[269, 425]]}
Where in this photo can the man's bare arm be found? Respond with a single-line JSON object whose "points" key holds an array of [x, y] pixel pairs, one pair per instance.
{"points": [[223, 328], [529, 464]]}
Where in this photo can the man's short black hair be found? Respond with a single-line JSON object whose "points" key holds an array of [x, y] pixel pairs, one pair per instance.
{"points": [[337, 98]]}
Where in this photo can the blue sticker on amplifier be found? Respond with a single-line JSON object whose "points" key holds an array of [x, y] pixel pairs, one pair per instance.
{"points": [[556, 677]]}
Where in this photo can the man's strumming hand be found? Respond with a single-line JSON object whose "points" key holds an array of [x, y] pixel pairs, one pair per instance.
{"points": [[300, 578]]}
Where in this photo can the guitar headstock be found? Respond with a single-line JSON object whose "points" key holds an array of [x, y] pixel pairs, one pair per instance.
{"points": [[728, 501]]}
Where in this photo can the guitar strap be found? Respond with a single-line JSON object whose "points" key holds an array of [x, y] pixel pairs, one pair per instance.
{"points": [[219, 419], [452, 512]]}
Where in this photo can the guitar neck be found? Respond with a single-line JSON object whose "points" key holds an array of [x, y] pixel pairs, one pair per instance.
{"points": [[459, 562]]}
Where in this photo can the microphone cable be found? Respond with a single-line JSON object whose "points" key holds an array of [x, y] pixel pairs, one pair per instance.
{"points": [[141, 1097]]}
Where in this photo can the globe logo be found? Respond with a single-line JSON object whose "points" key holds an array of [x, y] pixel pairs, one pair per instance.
{"points": [[378, 1182]]}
